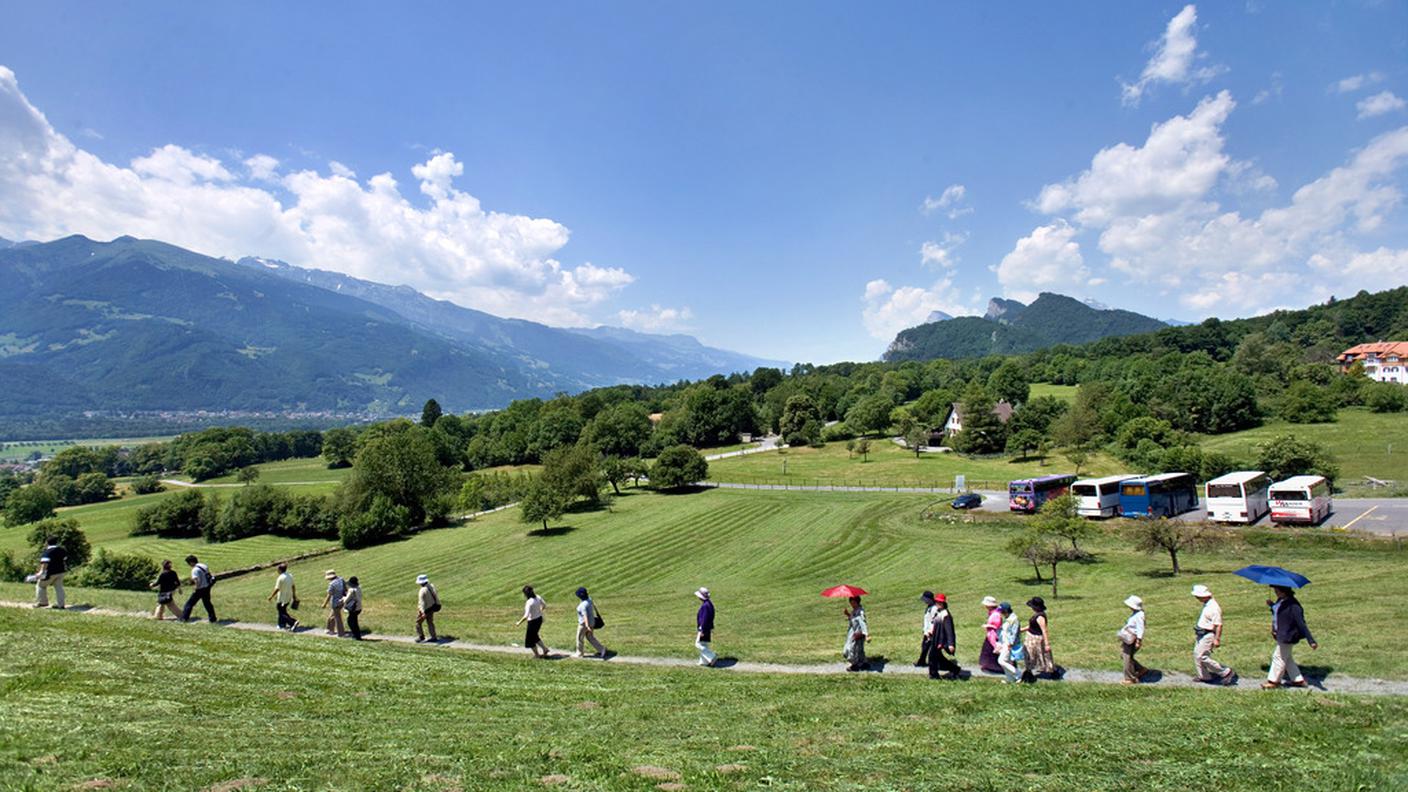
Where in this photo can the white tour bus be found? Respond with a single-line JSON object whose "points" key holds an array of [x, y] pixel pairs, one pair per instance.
{"points": [[1098, 497], [1238, 497], [1302, 499]]}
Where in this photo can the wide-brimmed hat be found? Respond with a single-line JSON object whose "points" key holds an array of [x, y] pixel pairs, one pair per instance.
{"points": [[1201, 591], [927, 596], [941, 599], [1036, 603], [330, 574], [422, 579], [1134, 602], [1005, 607], [702, 593], [989, 602]]}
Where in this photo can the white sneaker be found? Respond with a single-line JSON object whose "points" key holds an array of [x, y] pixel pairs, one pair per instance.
{"points": [[576, 654]]}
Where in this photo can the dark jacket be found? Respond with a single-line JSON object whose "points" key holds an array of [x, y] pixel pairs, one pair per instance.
{"points": [[943, 630], [1289, 622], [705, 619]]}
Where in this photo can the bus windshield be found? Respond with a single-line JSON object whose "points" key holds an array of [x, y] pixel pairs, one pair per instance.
{"points": [[1224, 491], [1133, 489], [1289, 495], [1084, 490]]}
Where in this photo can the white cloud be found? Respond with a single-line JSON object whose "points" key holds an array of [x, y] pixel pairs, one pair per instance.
{"points": [[1048, 257], [1180, 161], [1174, 59], [450, 247], [941, 253], [338, 169], [1355, 82], [1385, 265], [656, 319], [1273, 91], [887, 310], [951, 199], [1379, 104]]}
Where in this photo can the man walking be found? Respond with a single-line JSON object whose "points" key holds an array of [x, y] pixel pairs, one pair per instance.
{"points": [[337, 591], [53, 562], [201, 581], [284, 595], [587, 622], [926, 634], [427, 605], [1208, 634], [1287, 629], [704, 625], [941, 647]]}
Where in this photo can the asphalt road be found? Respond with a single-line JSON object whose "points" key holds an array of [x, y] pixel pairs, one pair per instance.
{"points": [[1383, 516]]}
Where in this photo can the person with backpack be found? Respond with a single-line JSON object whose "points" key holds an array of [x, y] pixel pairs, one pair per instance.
{"points": [[337, 591], [533, 614], [427, 605], [166, 584], [53, 563], [285, 596], [201, 581], [588, 622], [704, 628], [353, 605]]}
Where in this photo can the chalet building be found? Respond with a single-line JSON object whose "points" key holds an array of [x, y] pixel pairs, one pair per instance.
{"points": [[1383, 361], [954, 423]]}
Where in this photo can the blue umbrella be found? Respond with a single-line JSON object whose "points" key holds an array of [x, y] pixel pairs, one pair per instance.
{"points": [[1273, 576]]}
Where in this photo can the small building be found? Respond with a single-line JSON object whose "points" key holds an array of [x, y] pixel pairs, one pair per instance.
{"points": [[1383, 361], [953, 424]]}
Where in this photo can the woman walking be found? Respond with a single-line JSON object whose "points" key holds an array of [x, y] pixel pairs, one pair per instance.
{"points": [[987, 658], [1007, 647], [166, 585], [588, 622], [1038, 642], [533, 614], [1132, 640], [352, 604], [857, 633], [704, 628]]}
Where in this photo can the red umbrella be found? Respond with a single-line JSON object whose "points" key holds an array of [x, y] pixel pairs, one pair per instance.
{"points": [[843, 591]]}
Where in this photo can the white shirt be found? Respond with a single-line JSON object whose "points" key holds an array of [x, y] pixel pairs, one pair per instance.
{"points": [[1211, 616], [1135, 625], [285, 586], [533, 608], [931, 614], [584, 612]]}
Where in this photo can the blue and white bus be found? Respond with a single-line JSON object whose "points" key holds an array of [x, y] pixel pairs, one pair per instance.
{"points": [[1099, 497], [1164, 495]]}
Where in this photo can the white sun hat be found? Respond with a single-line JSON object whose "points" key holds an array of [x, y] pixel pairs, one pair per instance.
{"points": [[1201, 591], [1134, 602]]}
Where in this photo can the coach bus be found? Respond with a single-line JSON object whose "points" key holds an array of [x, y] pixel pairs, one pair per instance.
{"points": [[1301, 499], [1099, 497], [1027, 495], [1238, 497], [1164, 495]]}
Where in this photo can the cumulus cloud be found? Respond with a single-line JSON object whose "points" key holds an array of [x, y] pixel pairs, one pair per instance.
{"points": [[655, 319], [1379, 104], [1356, 81], [1048, 257], [886, 310], [447, 245], [941, 253], [1175, 59], [950, 201]]}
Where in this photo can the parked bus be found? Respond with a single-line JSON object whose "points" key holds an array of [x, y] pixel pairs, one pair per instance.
{"points": [[1301, 499], [1027, 495], [1238, 497], [1164, 495], [1099, 497]]}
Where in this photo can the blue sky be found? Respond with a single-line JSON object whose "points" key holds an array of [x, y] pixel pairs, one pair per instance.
{"points": [[768, 177]]}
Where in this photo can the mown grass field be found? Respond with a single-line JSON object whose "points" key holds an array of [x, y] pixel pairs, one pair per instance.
{"points": [[889, 465], [1363, 442], [290, 471], [22, 449], [1066, 393], [214, 707], [767, 555]]}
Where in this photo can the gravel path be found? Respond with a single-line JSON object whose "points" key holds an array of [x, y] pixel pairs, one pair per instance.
{"points": [[1335, 684]]}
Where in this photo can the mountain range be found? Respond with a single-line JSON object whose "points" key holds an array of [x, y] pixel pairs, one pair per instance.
{"points": [[146, 326], [1010, 327]]}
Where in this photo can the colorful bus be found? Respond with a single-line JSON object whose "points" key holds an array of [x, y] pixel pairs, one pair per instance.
{"points": [[1238, 497], [1027, 495], [1099, 497], [1164, 495], [1301, 499]]}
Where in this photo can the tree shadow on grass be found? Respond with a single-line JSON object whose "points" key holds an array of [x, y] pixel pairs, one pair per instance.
{"points": [[588, 507], [556, 530], [692, 489]]}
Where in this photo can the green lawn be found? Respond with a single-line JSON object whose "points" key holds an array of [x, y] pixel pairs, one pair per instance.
{"points": [[22, 449], [766, 555], [99, 703], [1364, 443], [290, 471], [888, 465], [1066, 393]]}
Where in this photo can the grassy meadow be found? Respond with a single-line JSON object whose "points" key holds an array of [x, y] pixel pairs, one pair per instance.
{"points": [[220, 709], [1363, 442], [766, 555], [290, 471], [13, 450]]}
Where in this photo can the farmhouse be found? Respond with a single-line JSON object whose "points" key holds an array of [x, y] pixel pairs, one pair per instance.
{"points": [[1383, 361], [954, 423]]}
